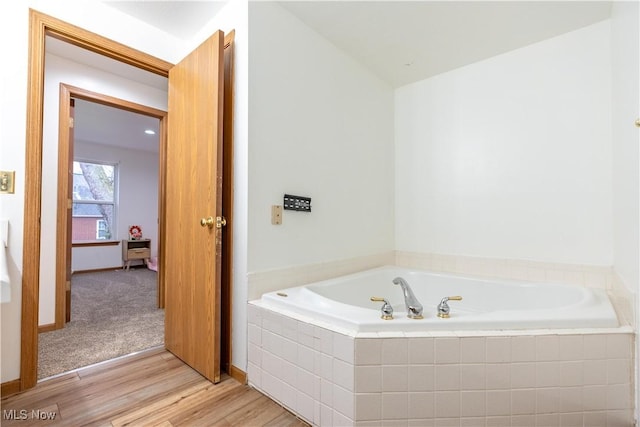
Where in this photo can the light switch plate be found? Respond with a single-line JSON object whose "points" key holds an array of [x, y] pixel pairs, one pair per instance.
{"points": [[276, 214], [7, 182]]}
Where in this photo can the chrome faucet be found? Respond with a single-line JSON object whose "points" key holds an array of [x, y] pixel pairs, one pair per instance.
{"points": [[414, 308]]}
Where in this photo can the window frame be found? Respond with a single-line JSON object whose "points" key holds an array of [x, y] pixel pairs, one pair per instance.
{"points": [[114, 204]]}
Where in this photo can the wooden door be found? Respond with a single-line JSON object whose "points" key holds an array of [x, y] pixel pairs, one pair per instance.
{"points": [[193, 182]]}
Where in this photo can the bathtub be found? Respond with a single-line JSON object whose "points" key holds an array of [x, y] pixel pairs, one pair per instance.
{"points": [[486, 304], [511, 353]]}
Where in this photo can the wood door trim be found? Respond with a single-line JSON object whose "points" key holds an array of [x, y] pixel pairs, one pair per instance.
{"points": [[41, 25], [65, 151], [227, 204]]}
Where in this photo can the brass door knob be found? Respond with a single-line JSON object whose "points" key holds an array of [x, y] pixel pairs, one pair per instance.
{"points": [[638, 123], [207, 222], [221, 221]]}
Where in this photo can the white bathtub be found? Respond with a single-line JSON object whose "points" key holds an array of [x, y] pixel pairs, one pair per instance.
{"points": [[487, 304]]}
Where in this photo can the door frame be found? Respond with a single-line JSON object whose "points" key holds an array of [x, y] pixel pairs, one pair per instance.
{"points": [[65, 152], [40, 26]]}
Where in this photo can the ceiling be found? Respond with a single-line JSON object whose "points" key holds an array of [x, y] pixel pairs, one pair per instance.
{"points": [[407, 41], [182, 19], [399, 41], [101, 124]]}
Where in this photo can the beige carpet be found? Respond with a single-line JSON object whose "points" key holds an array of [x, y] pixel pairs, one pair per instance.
{"points": [[112, 314]]}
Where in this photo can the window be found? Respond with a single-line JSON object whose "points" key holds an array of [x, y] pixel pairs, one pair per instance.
{"points": [[94, 201]]}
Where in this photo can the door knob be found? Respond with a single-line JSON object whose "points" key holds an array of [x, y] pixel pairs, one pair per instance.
{"points": [[638, 123], [218, 221], [207, 222]]}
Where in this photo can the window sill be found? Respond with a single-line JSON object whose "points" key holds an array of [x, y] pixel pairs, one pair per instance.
{"points": [[84, 243]]}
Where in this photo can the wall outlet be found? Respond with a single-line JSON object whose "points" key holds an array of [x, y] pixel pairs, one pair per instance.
{"points": [[276, 214]]}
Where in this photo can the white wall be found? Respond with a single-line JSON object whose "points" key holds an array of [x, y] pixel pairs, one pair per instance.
{"points": [[625, 60], [321, 126], [98, 18], [137, 202], [510, 157]]}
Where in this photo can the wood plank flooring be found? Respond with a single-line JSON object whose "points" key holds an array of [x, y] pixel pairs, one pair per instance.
{"points": [[153, 388]]}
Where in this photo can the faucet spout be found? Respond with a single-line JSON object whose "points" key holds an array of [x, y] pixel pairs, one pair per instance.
{"points": [[414, 308]]}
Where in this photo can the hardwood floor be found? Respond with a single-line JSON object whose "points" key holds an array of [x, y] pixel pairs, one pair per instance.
{"points": [[153, 388]]}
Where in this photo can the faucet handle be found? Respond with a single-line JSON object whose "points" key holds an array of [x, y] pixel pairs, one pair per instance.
{"points": [[386, 309], [443, 307]]}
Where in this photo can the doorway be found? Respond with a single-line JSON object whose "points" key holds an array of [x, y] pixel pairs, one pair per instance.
{"points": [[42, 25], [108, 168]]}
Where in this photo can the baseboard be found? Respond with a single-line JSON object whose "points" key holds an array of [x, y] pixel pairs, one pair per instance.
{"points": [[47, 328], [98, 270], [238, 374], [10, 387]]}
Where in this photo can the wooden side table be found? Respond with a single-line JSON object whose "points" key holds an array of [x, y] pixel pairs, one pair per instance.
{"points": [[135, 249]]}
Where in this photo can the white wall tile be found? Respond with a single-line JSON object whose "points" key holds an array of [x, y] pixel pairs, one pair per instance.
{"points": [[254, 334], [617, 418], [447, 350], [523, 375], [306, 358], [498, 402], [547, 374], [473, 377], [498, 349], [395, 406], [523, 349], [619, 396], [547, 400], [547, 420], [547, 348], [421, 405], [619, 346], [523, 401], [571, 420], [395, 378], [326, 415], [498, 376], [306, 382], [368, 351], [326, 392], [570, 347], [343, 347], [343, 401], [326, 367], [343, 374], [254, 375], [570, 399], [421, 378], [594, 398], [368, 406], [421, 350], [447, 404], [368, 379], [619, 371], [340, 420], [595, 346], [473, 422], [305, 407], [472, 350], [472, 403], [523, 420], [595, 372], [447, 377], [595, 419], [571, 373], [395, 351]]}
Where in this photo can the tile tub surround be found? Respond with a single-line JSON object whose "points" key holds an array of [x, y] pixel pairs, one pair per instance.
{"points": [[520, 378]]}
